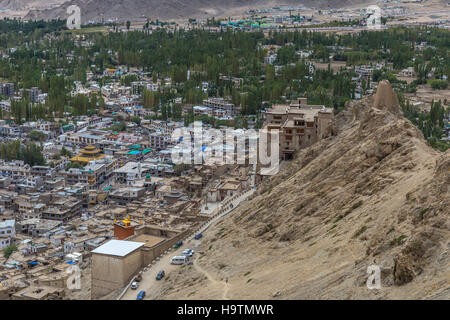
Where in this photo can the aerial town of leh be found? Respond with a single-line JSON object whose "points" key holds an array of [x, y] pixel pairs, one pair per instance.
{"points": [[203, 150]]}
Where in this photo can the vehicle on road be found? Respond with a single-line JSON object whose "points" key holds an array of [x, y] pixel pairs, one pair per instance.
{"points": [[138, 278], [188, 252], [198, 236], [140, 295], [160, 275], [179, 260], [178, 244], [134, 285]]}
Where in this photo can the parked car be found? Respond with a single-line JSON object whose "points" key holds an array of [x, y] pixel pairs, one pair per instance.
{"points": [[134, 285], [140, 295], [138, 278], [179, 260], [178, 244], [160, 275], [188, 252], [198, 236]]}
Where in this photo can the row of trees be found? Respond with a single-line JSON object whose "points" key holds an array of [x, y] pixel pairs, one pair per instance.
{"points": [[29, 152], [53, 63], [430, 123]]}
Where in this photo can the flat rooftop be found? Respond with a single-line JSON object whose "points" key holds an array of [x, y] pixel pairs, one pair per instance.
{"points": [[118, 248], [149, 240], [37, 292]]}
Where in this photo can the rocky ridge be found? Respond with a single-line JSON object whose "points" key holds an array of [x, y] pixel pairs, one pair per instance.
{"points": [[376, 193]]}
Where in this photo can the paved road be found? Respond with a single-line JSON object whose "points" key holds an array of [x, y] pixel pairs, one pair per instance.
{"points": [[149, 282]]}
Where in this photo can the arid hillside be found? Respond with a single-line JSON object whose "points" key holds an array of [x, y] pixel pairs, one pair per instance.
{"points": [[96, 10], [28, 4], [375, 193]]}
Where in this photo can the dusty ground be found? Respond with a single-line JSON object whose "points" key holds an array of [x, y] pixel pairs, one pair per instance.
{"points": [[20, 8], [426, 94], [335, 65]]}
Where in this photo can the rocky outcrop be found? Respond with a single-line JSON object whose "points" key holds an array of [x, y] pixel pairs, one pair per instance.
{"points": [[386, 98]]}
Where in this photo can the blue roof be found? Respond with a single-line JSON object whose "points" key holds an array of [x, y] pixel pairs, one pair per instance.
{"points": [[134, 152]]}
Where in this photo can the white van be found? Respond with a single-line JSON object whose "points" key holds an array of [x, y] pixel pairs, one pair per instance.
{"points": [[134, 285], [179, 260]]}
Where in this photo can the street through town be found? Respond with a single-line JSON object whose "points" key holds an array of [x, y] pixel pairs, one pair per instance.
{"points": [[153, 286]]}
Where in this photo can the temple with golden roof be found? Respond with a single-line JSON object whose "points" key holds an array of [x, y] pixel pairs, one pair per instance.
{"points": [[87, 155]]}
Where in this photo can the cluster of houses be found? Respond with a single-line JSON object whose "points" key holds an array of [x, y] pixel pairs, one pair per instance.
{"points": [[53, 216], [56, 215]]}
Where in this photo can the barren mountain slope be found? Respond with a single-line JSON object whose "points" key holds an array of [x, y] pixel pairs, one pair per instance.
{"points": [[95, 10], [27, 4], [375, 193]]}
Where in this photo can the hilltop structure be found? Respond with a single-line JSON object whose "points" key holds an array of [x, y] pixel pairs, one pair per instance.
{"points": [[300, 125], [385, 98]]}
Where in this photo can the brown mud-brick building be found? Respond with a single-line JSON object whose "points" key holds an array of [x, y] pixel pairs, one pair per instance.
{"points": [[300, 125]]}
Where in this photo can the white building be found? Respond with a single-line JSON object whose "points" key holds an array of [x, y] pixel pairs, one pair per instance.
{"points": [[202, 110], [159, 140], [270, 59], [7, 231], [153, 87], [220, 103]]}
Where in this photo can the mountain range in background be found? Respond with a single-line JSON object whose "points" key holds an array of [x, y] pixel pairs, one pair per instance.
{"points": [[121, 10]]}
